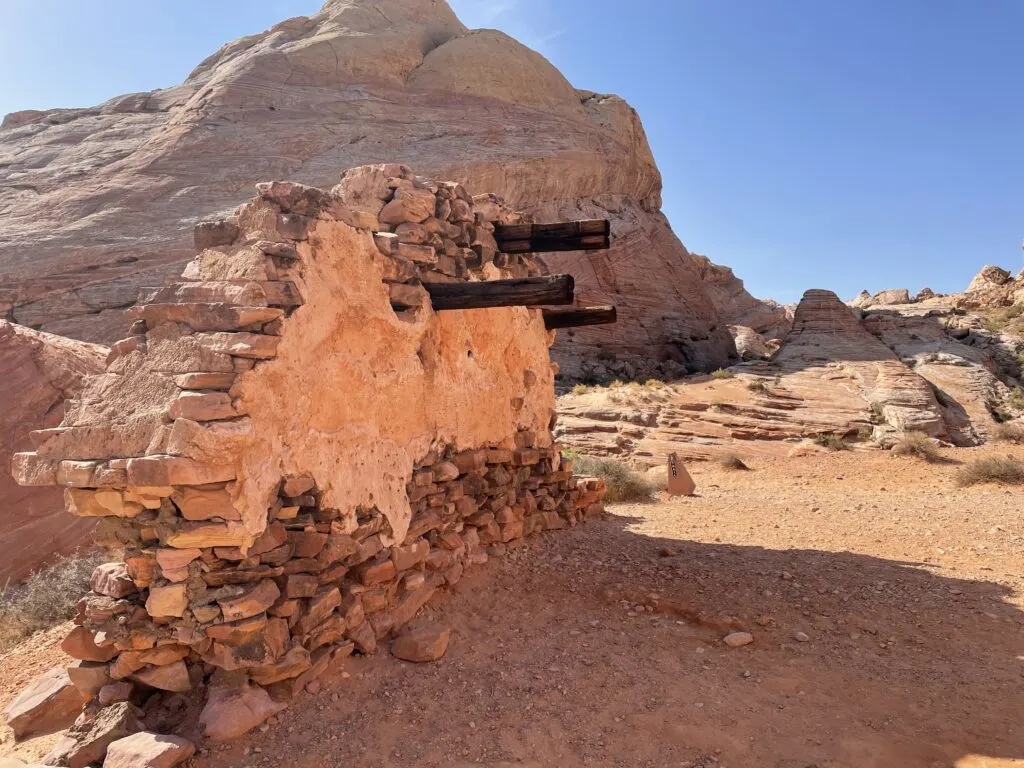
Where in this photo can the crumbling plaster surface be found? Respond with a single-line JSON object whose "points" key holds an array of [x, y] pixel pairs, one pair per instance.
{"points": [[356, 394]]}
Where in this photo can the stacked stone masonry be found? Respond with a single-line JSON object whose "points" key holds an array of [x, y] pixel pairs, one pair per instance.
{"points": [[293, 452]]}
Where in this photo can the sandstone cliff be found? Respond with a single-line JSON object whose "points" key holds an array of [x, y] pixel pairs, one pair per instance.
{"points": [[41, 371], [947, 366], [97, 202]]}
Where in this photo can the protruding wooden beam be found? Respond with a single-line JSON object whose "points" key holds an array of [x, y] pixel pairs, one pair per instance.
{"points": [[586, 235], [556, 230], [578, 316], [517, 292]]}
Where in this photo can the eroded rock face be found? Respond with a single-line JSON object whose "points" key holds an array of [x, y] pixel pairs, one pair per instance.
{"points": [[750, 345], [891, 296], [963, 377], [829, 344], [87, 221], [767, 318], [40, 371], [863, 375], [50, 703]]}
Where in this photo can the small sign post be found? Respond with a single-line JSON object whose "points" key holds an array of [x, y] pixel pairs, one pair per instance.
{"points": [[679, 481]]}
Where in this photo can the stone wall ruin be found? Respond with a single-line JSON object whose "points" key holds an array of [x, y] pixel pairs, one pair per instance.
{"points": [[293, 451]]}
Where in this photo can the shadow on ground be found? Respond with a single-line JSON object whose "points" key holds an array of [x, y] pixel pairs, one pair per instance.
{"points": [[602, 647]]}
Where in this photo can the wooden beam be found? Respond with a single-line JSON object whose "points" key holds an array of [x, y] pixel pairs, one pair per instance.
{"points": [[586, 235], [578, 316], [559, 229], [548, 245], [517, 292]]}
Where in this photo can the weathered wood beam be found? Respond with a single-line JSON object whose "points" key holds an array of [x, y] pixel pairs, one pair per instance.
{"points": [[548, 245], [517, 292], [578, 316], [557, 230], [586, 235]]}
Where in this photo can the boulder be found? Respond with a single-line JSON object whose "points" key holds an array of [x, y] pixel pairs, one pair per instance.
{"points": [[170, 677], [89, 677], [428, 643], [112, 580], [750, 345], [48, 704], [80, 644], [148, 750], [253, 602], [86, 741], [40, 371], [988, 277], [230, 712], [167, 600]]}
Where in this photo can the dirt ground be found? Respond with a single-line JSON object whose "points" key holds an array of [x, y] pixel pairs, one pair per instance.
{"points": [[886, 607]]}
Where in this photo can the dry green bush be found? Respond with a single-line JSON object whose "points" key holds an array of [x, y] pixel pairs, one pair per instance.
{"points": [[917, 444], [1000, 319], [1010, 432], [654, 383], [580, 389], [721, 373], [877, 411], [47, 597], [1005, 471], [624, 484], [760, 386], [832, 442], [732, 461]]}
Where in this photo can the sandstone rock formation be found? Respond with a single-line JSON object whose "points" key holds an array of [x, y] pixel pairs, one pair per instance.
{"points": [[830, 350], [750, 345], [294, 451], [890, 296], [767, 318], [97, 202], [865, 376], [40, 371]]}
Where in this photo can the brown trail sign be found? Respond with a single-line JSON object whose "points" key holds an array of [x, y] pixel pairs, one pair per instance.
{"points": [[679, 481]]}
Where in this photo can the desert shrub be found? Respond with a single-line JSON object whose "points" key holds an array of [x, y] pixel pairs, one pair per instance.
{"points": [[732, 461], [1017, 399], [617, 384], [998, 320], [47, 597], [624, 484], [654, 383], [832, 442], [1010, 432], [580, 389], [917, 444], [759, 385], [721, 373], [877, 411], [1005, 471], [718, 405]]}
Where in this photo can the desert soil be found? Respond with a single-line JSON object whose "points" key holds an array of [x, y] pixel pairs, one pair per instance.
{"points": [[884, 602]]}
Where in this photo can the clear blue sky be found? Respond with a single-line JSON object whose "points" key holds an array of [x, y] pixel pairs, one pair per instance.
{"points": [[840, 144]]}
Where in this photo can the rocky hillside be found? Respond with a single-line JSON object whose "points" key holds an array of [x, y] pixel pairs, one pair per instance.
{"points": [[41, 372], [96, 202], [947, 366]]}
